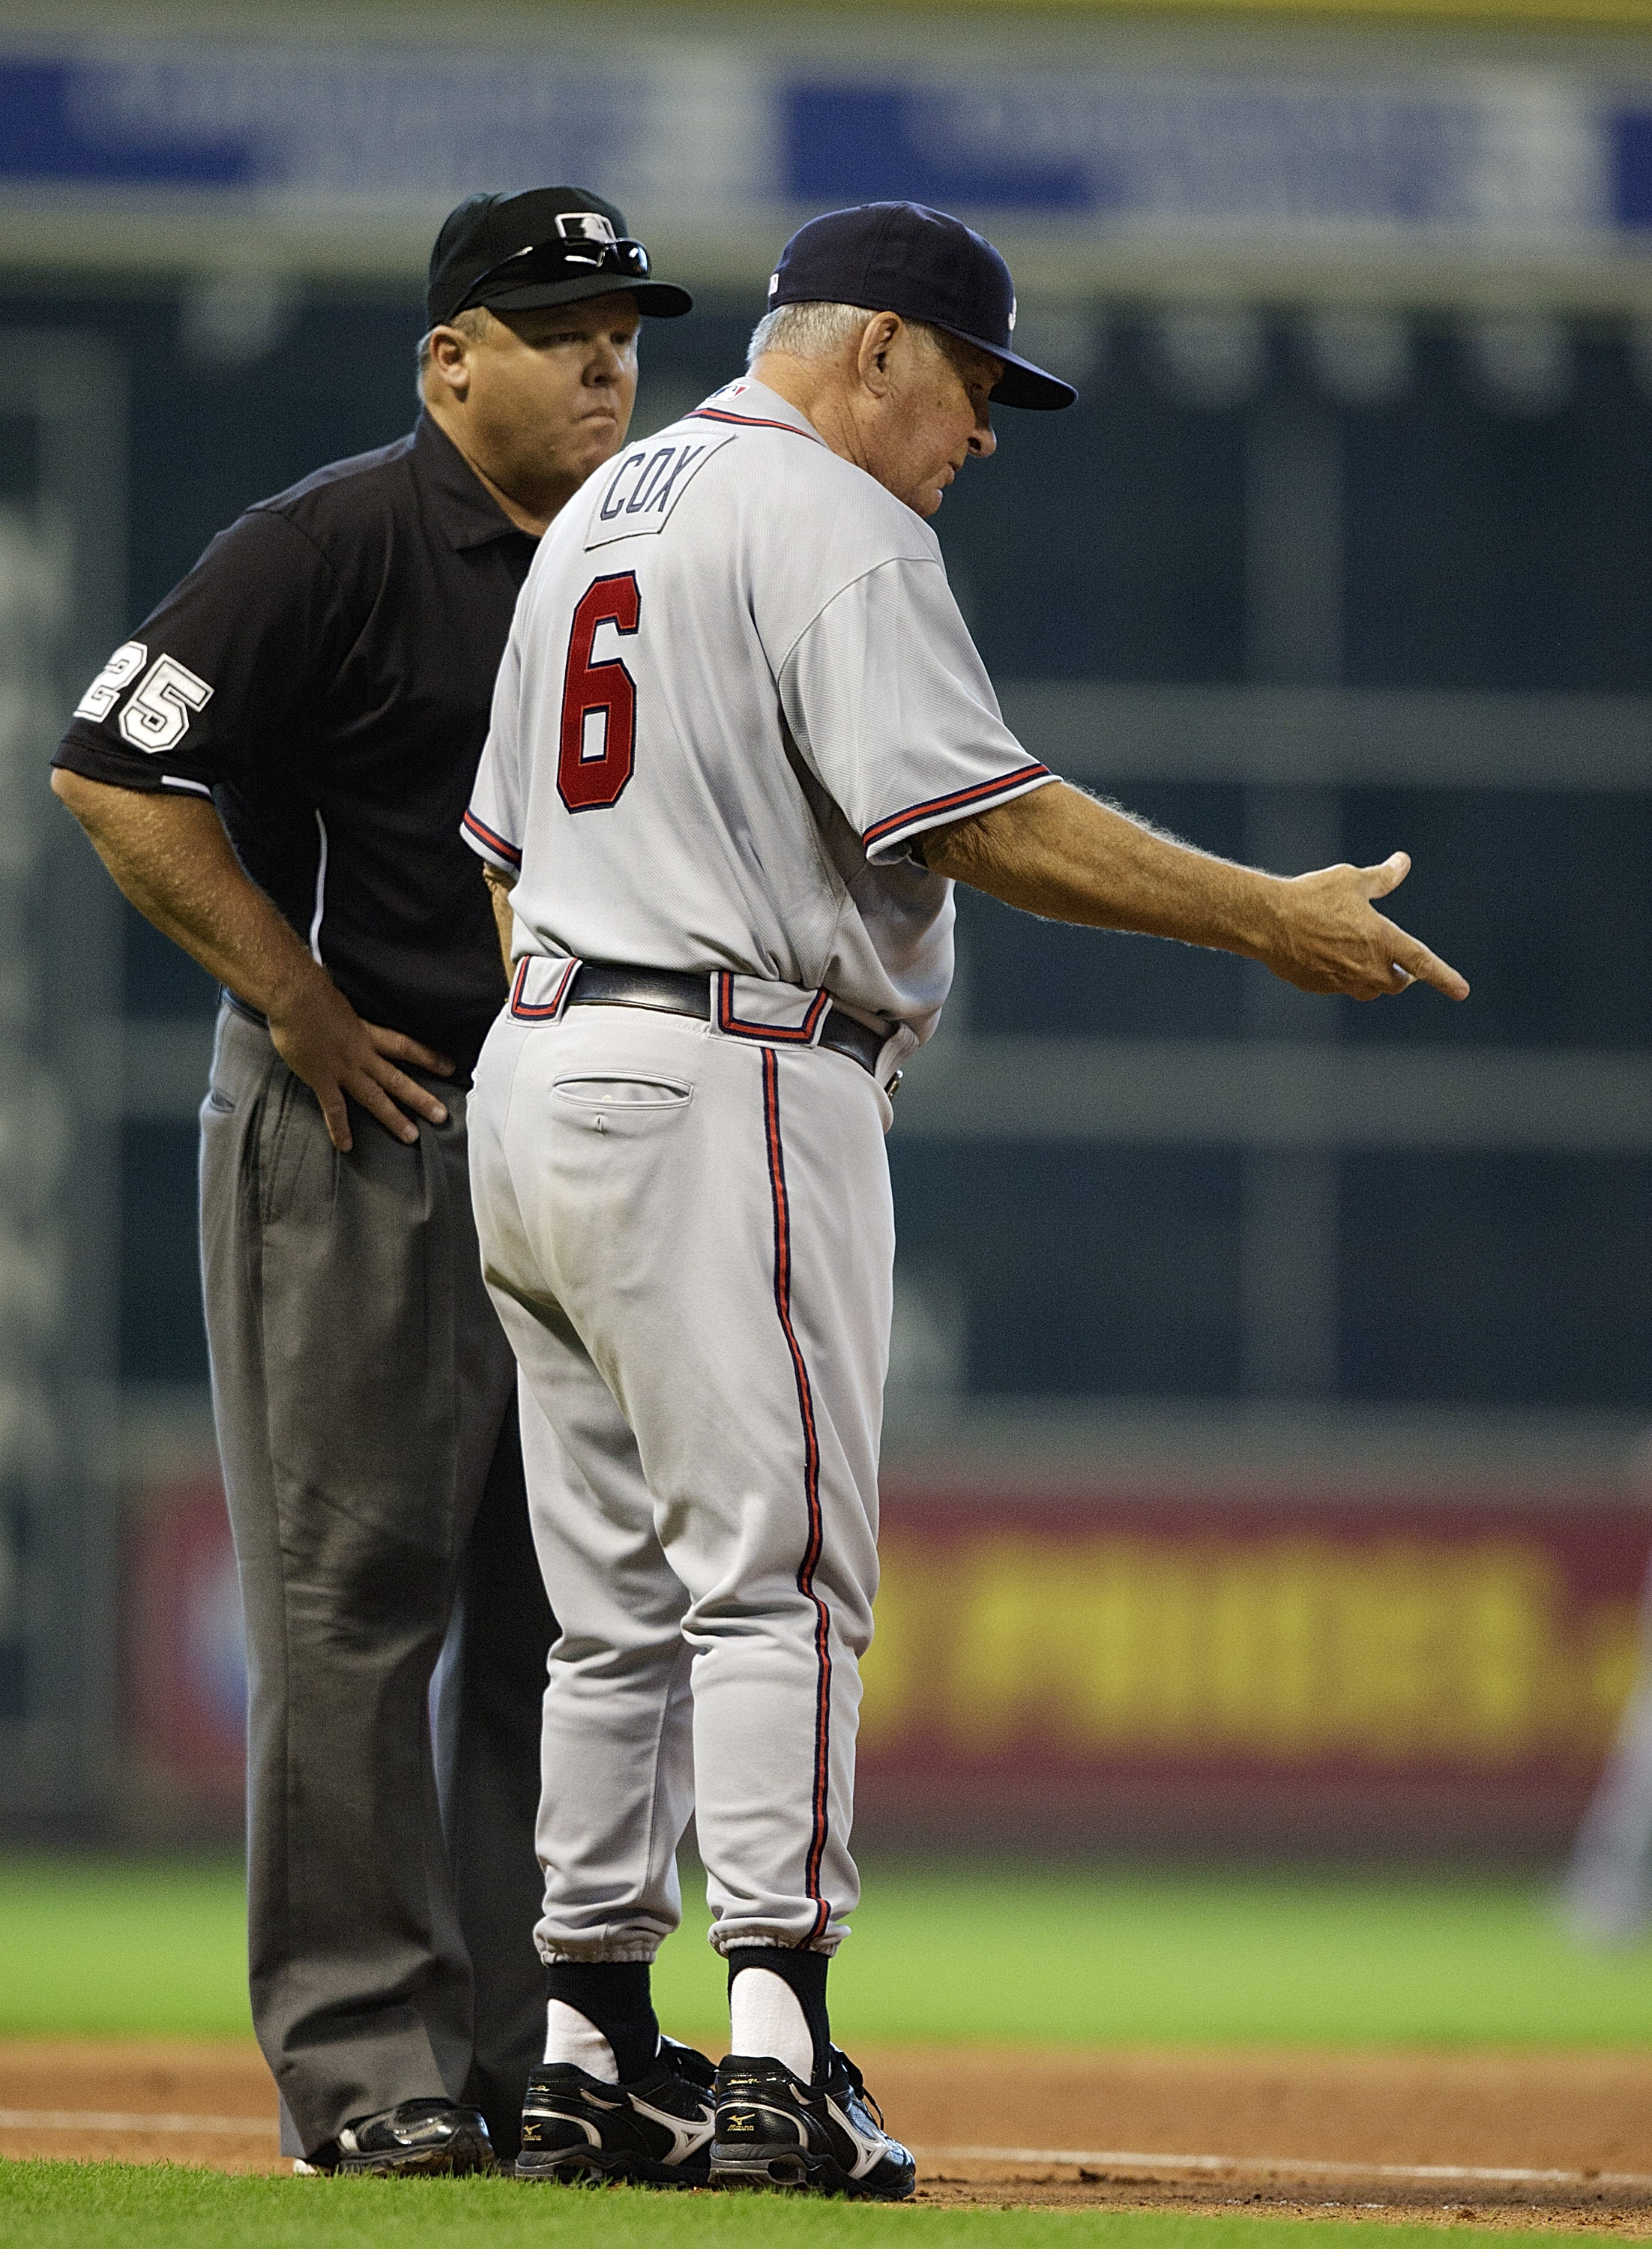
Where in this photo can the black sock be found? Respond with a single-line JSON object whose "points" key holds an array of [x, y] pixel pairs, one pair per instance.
{"points": [[613, 1994], [807, 1973]]}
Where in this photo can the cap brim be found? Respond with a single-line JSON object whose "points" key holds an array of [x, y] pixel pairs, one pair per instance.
{"points": [[1021, 383], [1025, 385], [658, 301]]}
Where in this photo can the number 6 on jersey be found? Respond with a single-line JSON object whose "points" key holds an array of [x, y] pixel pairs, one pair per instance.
{"points": [[598, 701]]}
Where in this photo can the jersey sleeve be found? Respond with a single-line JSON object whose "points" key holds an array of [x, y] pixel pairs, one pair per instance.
{"points": [[202, 691], [890, 703], [492, 825]]}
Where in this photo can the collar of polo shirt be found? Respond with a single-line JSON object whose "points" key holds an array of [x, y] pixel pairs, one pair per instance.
{"points": [[467, 513]]}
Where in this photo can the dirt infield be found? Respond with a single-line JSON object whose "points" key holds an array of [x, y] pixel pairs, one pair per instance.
{"points": [[1379, 2135]]}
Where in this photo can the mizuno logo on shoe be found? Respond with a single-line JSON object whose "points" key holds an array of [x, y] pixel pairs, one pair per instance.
{"points": [[688, 2136], [869, 2151]]}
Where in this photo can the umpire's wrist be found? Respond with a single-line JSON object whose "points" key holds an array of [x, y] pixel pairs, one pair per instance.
{"points": [[297, 988]]}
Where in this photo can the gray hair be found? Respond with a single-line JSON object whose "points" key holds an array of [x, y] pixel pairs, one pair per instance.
{"points": [[812, 330], [820, 331], [472, 322]]}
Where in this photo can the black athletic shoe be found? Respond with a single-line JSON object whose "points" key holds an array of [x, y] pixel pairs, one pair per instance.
{"points": [[419, 2139], [774, 2130], [580, 2131]]}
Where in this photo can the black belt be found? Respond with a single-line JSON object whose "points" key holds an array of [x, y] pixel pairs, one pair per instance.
{"points": [[678, 992]]}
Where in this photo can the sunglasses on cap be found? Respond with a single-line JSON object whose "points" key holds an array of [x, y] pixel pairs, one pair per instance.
{"points": [[550, 262]]}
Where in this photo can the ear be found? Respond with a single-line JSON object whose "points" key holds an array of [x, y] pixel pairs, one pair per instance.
{"points": [[449, 361], [875, 352]]}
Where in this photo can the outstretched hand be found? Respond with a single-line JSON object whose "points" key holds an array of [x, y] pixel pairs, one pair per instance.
{"points": [[1331, 939], [322, 1040]]}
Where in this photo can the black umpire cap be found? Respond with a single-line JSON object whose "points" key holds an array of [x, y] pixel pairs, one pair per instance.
{"points": [[545, 246], [906, 258]]}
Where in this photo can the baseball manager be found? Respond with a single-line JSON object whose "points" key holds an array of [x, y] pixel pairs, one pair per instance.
{"points": [[742, 747], [273, 769]]}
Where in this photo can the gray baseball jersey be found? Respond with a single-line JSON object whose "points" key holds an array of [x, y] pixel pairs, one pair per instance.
{"points": [[737, 688]]}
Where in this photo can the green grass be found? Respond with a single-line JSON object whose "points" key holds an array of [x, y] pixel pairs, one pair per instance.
{"points": [[958, 1953], [1307, 1958], [131, 2206], [96, 1944]]}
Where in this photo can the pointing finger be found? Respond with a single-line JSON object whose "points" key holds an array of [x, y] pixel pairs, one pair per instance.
{"points": [[1422, 966], [1379, 881]]}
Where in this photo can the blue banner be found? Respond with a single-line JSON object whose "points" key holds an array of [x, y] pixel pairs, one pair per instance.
{"points": [[715, 133]]}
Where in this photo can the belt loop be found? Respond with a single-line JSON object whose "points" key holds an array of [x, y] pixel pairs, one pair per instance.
{"points": [[549, 1011]]}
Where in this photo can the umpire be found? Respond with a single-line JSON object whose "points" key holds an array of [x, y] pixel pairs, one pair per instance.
{"points": [[273, 769]]}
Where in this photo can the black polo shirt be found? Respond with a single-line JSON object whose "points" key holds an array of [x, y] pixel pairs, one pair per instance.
{"points": [[324, 674]]}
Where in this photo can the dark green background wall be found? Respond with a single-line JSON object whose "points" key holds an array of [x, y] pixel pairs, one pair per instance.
{"points": [[1485, 550]]}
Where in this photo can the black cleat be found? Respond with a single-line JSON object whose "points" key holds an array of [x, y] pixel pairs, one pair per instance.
{"points": [[418, 2139], [774, 2130], [579, 2131]]}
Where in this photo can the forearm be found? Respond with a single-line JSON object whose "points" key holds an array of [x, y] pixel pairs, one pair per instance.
{"points": [[1059, 853], [170, 857], [499, 889]]}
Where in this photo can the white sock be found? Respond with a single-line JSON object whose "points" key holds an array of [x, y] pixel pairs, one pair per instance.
{"points": [[569, 2036], [766, 2016]]}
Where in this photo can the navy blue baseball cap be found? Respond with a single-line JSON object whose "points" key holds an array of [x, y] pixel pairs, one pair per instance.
{"points": [[905, 259]]}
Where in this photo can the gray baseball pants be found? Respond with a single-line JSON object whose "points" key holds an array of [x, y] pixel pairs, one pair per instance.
{"points": [[363, 1397], [690, 1238]]}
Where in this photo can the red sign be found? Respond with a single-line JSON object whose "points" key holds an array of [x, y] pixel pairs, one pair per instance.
{"points": [[1247, 1670], [185, 1656], [1434, 1675]]}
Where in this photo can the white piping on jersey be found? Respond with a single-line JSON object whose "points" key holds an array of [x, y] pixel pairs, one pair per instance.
{"points": [[177, 780], [321, 892]]}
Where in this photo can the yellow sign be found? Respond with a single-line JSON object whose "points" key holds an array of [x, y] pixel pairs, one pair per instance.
{"points": [[1286, 1649]]}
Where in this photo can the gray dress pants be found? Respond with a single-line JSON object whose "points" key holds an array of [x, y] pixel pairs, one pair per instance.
{"points": [[365, 1402]]}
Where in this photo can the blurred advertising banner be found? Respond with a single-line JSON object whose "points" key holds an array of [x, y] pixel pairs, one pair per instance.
{"points": [[1424, 1677], [1243, 1673], [710, 129], [183, 1655]]}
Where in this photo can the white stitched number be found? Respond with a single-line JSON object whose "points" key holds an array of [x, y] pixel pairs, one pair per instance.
{"points": [[158, 715], [595, 761], [112, 681]]}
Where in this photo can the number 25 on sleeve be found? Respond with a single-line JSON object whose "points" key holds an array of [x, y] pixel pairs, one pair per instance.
{"points": [[158, 715]]}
